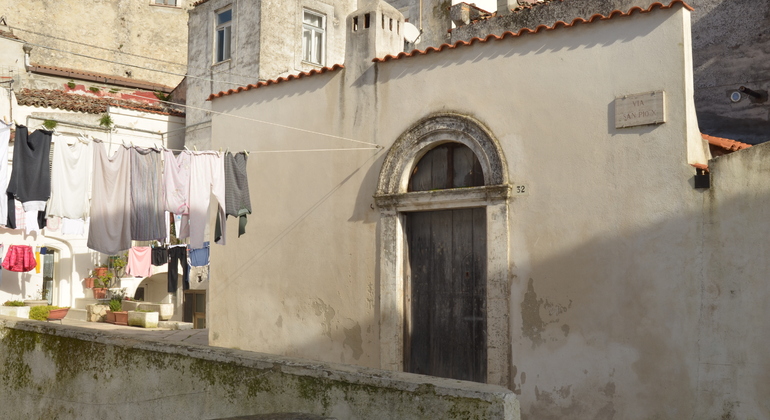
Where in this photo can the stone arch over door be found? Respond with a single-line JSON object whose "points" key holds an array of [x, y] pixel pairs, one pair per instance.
{"points": [[394, 201]]}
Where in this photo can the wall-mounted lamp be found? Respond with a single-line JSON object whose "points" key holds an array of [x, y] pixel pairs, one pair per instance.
{"points": [[754, 96]]}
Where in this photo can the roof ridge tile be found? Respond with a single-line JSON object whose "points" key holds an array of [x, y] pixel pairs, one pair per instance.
{"points": [[275, 81], [615, 13]]}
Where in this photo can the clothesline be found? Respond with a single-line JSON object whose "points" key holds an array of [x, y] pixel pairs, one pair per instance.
{"points": [[110, 142]]}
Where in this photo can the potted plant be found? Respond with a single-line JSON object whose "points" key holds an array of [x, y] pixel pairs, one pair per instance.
{"points": [[48, 313], [100, 271], [14, 308], [118, 264], [116, 315], [102, 280], [57, 314]]}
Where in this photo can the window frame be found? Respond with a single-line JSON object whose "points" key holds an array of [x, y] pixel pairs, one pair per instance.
{"points": [[227, 29], [315, 31], [167, 3]]}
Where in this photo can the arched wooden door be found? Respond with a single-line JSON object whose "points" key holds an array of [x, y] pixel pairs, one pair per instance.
{"points": [[446, 273]]}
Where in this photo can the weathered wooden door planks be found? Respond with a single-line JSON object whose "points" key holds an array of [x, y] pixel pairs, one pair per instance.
{"points": [[446, 320]]}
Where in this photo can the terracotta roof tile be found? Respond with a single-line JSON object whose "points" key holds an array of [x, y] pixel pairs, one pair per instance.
{"points": [[98, 77], [727, 145], [86, 103], [700, 166], [199, 2], [525, 31], [274, 81]]}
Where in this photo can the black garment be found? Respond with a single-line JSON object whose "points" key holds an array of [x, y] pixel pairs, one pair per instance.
{"points": [[159, 256], [31, 172], [237, 199], [178, 254]]}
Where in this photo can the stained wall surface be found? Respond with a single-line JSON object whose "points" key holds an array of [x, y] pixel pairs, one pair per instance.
{"points": [[126, 38], [75, 373], [605, 254]]}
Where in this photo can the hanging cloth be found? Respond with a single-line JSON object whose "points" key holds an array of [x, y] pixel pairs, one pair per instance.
{"points": [[73, 226], [139, 258], [109, 231], [16, 215], [5, 136], [198, 257], [207, 177], [19, 258], [159, 256], [30, 181], [71, 178], [237, 199], [147, 214], [178, 255], [176, 180]]}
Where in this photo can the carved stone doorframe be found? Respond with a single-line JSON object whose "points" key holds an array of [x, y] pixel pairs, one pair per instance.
{"points": [[393, 201]]}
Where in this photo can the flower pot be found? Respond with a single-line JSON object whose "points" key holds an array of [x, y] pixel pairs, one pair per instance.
{"points": [[110, 317], [121, 318], [100, 271], [57, 314], [130, 305], [165, 310], [100, 292], [88, 282], [17, 311], [143, 319]]}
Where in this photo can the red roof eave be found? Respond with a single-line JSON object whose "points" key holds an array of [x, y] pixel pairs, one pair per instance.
{"points": [[726, 144], [275, 81]]}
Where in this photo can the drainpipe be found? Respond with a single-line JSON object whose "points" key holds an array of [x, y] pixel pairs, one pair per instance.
{"points": [[27, 49]]}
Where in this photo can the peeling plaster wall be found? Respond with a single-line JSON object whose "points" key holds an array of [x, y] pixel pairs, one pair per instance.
{"points": [[733, 367], [604, 300], [129, 26], [75, 373]]}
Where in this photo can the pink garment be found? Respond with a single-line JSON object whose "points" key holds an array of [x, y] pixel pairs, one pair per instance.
{"points": [[19, 258], [139, 261], [207, 176], [176, 180], [19, 211]]}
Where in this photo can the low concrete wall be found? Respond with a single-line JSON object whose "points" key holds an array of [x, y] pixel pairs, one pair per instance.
{"points": [[67, 372]]}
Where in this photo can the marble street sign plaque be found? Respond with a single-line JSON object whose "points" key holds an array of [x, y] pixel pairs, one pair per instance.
{"points": [[640, 109]]}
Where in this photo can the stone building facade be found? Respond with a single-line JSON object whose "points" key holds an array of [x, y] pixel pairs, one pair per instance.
{"points": [[140, 40]]}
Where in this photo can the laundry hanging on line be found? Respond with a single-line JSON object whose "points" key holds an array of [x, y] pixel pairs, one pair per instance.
{"points": [[119, 214]]}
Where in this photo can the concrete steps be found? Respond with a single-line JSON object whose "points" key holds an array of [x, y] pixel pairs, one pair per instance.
{"points": [[76, 314]]}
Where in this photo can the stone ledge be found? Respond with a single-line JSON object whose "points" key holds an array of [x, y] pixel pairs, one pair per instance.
{"points": [[287, 382]]}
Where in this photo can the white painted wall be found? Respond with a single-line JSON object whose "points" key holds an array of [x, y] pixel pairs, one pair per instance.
{"points": [[605, 252]]}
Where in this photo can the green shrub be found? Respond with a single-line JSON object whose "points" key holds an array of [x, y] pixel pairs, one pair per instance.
{"points": [[40, 313], [13, 303], [116, 305]]}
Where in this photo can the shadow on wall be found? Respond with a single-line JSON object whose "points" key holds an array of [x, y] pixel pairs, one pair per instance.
{"points": [[655, 321]]}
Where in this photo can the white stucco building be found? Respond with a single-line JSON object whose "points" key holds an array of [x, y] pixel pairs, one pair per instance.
{"points": [[77, 101], [587, 272]]}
